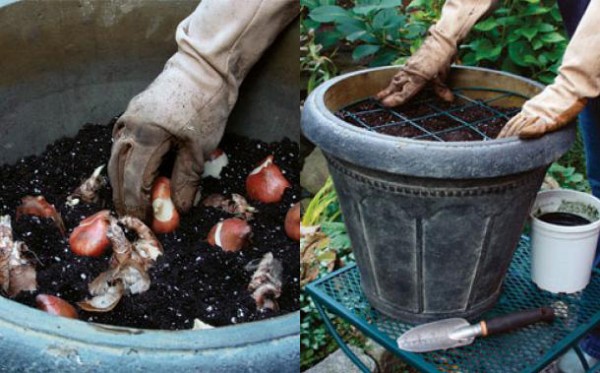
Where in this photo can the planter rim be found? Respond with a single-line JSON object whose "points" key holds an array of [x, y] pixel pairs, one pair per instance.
{"points": [[17, 317], [452, 160]]}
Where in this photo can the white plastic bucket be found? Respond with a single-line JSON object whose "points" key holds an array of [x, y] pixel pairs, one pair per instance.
{"points": [[563, 256]]}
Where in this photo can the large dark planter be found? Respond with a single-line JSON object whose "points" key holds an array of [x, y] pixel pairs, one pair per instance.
{"points": [[433, 225], [65, 63]]}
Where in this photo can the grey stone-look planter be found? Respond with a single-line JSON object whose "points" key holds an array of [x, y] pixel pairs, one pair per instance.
{"points": [[65, 63], [433, 225]]}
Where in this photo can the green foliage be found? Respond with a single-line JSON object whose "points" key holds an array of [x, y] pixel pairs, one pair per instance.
{"points": [[316, 63], [524, 37], [323, 207], [338, 238], [315, 343], [380, 31], [568, 177], [318, 66], [334, 251], [575, 157]]}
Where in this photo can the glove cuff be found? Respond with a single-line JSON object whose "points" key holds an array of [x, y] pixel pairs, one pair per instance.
{"points": [[434, 56]]}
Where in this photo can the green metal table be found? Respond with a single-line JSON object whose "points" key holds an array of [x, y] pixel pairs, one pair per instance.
{"points": [[529, 349]]}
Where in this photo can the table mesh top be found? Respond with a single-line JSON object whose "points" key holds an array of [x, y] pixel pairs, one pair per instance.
{"points": [[513, 352]]}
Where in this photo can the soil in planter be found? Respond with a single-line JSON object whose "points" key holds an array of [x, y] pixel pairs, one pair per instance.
{"points": [[419, 119], [192, 279]]}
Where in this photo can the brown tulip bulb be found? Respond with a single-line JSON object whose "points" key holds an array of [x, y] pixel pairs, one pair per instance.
{"points": [[166, 216], [89, 238], [266, 183], [230, 234]]}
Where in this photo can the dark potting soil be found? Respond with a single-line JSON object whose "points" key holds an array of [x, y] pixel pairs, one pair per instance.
{"points": [[192, 279], [425, 120], [563, 218]]}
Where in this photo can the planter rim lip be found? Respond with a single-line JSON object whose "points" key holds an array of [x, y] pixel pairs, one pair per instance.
{"points": [[562, 228], [18, 316], [381, 152]]}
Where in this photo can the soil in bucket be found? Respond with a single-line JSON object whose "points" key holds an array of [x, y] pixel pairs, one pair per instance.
{"points": [[563, 218], [192, 279], [427, 117]]}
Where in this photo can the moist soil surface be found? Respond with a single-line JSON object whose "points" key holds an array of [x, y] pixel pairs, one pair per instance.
{"points": [[422, 119], [192, 279]]}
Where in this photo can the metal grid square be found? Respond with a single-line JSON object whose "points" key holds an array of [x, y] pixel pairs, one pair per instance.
{"points": [[434, 120], [524, 350]]}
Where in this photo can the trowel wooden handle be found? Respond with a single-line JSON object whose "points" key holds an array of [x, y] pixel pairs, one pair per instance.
{"points": [[516, 320]]}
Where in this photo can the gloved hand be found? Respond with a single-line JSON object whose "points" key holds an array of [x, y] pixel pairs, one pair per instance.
{"points": [[550, 110], [187, 105], [578, 79], [431, 62]]}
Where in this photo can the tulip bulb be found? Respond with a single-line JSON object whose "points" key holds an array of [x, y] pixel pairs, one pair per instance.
{"points": [[55, 306], [266, 183], [38, 206], [166, 216], [88, 190], [265, 284], [230, 234], [90, 238], [292, 222], [217, 160]]}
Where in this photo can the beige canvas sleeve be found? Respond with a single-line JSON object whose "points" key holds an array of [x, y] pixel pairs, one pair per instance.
{"points": [[459, 16]]}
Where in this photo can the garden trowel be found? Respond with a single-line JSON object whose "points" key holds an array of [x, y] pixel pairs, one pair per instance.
{"points": [[452, 333]]}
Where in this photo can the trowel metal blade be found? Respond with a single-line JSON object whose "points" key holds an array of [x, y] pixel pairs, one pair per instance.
{"points": [[434, 336]]}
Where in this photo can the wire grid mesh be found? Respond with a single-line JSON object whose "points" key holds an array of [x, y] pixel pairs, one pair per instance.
{"points": [[512, 352], [434, 120]]}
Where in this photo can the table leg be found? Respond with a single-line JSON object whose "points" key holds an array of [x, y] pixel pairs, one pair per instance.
{"points": [[595, 368], [338, 339], [582, 359]]}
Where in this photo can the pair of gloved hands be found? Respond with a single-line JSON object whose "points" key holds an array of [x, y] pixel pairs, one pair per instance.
{"points": [[553, 108], [187, 105]]}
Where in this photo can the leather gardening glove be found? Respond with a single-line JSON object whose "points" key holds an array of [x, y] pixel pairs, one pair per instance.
{"points": [[431, 62], [578, 79], [187, 105]]}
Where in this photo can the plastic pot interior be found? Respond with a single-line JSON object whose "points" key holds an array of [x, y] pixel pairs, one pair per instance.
{"points": [[68, 63], [429, 159], [570, 201]]}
